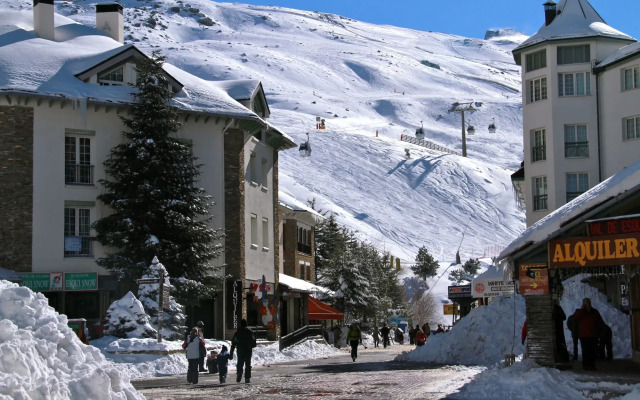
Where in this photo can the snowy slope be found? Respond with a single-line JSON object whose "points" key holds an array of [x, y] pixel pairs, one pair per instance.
{"points": [[362, 78]]}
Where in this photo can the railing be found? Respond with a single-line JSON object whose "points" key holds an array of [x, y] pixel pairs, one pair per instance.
{"points": [[576, 149], [428, 144], [78, 246], [540, 202], [78, 174], [304, 248], [259, 332], [304, 333], [539, 153]]}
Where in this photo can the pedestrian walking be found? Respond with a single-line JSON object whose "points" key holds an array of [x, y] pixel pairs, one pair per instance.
{"points": [[590, 324], [200, 327], [384, 331], [354, 336], [572, 324], [605, 343], [426, 329], [244, 341], [223, 364], [421, 337], [212, 362], [337, 336], [194, 346], [376, 336], [412, 335], [399, 336]]}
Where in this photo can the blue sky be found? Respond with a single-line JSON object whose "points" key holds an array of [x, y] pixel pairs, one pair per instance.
{"points": [[470, 18]]}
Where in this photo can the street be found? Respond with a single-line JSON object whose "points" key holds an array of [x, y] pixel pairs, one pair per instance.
{"points": [[373, 376]]}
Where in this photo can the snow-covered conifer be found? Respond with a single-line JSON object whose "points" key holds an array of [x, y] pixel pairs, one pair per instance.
{"points": [[126, 318]]}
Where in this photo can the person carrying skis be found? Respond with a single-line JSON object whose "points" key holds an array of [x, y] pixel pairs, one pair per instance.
{"points": [[194, 346], [384, 331], [354, 336], [244, 341]]}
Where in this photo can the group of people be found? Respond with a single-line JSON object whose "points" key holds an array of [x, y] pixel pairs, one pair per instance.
{"points": [[217, 362], [588, 328]]}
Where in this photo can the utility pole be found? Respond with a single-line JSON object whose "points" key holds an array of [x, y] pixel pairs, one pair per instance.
{"points": [[461, 108]]}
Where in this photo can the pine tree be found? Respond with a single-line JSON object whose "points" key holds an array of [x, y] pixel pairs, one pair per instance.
{"points": [[126, 318], [472, 266], [158, 209], [173, 320], [425, 266]]}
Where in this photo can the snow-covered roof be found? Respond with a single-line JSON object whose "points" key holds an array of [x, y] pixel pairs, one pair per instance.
{"points": [[36, 66], [625, 180], [241, 89], [620, 55], [291, 203], [576, 19], [303, 286]]}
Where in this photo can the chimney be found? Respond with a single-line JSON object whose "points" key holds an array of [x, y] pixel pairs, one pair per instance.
{"points": [[43, 19], [110, 20], [549, 12]]}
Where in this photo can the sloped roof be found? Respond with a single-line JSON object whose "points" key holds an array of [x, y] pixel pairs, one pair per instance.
{"points": [[303, 286], [576, 19], [623, 53]]}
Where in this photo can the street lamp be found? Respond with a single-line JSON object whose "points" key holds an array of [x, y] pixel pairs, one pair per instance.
{"points": [[461, 108]]}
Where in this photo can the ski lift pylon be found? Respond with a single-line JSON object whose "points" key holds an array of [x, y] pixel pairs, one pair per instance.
{"points": [[420, 132], [305, 148]]}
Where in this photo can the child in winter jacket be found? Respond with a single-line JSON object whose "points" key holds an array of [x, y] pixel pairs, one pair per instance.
{"points": [[212, 362], [223, 362]]}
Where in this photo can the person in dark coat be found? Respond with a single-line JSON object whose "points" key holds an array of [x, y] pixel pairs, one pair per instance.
{"points": [[590, 324], [354, 337], [200, 326], [426, 329], [559, 316], [194, 346], [573, 327], [421, 337], [223, 364], [376, 336], [212, 362], [605, 344], [412, 335], [384, 331], [244, 341]]}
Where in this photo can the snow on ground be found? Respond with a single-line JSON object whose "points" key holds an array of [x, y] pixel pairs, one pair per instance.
{"points": [[42, 358]]}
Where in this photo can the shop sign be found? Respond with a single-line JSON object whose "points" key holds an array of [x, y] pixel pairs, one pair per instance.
{"points": [[617, 226], [35, 282], [81, 281], [56, 281], [491, 288], [593, 252], [534, 279], [236, 304], [451, 309], [460, 292]]}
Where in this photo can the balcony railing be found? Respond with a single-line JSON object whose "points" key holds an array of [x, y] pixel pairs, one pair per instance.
{"points": [[540, 202], [304, 248], [78, 174], [78, 246], [576, 149], [539, 153]]}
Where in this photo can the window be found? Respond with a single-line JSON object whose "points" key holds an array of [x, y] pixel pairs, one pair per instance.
{"points": [[540, 193], [574, 54], [115, 77], [537, 89], [575, 141], [631, 128], [631, 78], [536, 60], [254, 231], [574, 84], [576, 185], [253, 173], [301, 269], [304, 240], [77, 231], [539, 145], [265, 173], [265, 234], [77, 161]]}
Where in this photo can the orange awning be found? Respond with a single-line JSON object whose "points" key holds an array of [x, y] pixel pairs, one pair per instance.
{"points": [[319, 310]]}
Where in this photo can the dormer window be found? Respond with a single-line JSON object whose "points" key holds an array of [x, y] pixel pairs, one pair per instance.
{"points": [[115, 77]]}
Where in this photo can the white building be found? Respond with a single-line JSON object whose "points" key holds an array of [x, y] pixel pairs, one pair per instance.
{"points": [[63, 87], [581, 106]]}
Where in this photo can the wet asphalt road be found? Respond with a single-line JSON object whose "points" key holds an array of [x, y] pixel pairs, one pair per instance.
{"points": [[373, 376]]}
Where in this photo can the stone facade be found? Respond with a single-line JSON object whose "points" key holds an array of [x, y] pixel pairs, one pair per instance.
{"points": [[292, 257], [16, 185]]}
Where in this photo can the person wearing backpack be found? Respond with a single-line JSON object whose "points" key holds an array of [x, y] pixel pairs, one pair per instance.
{"points": [[354, 337], [244, 341], [194, 347]]}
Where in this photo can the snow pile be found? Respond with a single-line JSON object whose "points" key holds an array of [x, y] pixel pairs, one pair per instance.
{"points": [[574, 292], [483, 337], [307, 350], [42, 358], [126, 318]]}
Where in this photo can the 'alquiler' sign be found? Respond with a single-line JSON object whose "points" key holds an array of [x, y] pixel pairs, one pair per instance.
{"points": [[594, 251]]}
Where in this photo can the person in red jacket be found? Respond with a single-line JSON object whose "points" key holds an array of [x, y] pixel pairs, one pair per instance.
{"points": [[590, 324]]}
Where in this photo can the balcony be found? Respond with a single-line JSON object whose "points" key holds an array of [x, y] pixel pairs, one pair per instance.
{"points": [[78, 246], [304, 248], [540, 202], [576, 149], [78, 174]]}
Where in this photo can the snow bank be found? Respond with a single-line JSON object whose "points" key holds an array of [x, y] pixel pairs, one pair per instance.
{"points": [[42, 358], [483, 337]]}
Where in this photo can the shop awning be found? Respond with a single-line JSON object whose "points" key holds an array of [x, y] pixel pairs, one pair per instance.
{"points": [[321, 311]]}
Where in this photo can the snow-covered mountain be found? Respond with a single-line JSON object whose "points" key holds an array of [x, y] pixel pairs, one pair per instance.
{"points": [[371, 84]]}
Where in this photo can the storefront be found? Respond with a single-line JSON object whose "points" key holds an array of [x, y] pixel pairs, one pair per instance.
{"points": [[598, 234]]}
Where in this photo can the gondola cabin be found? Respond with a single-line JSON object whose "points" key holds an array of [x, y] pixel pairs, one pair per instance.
{"points": [[471, 130], [492, 127], [420, 133], [305, 148]]}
